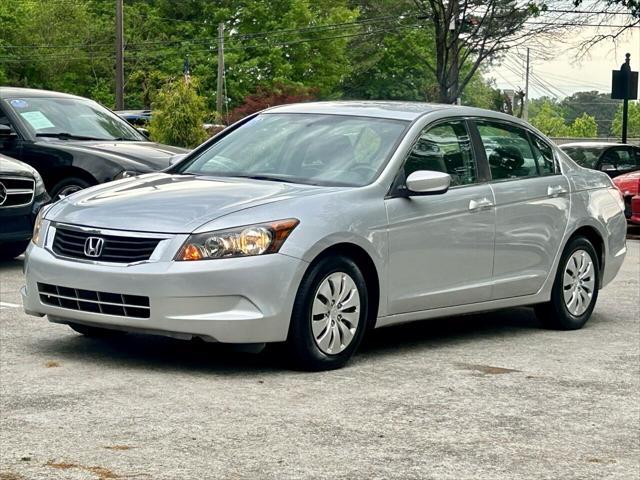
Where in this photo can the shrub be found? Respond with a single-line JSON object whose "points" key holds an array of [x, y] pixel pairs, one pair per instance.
{"points": [[178, 115]]}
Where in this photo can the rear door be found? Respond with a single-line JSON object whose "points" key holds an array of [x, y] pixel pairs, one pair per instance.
{"points": [[532, 207]]}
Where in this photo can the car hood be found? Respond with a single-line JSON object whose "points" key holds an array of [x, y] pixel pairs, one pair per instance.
{"points": [[166, 203], [9, 166], [145, 155]]}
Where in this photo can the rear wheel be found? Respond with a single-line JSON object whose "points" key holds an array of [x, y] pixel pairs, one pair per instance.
{"points": [[96, 332], [575, 289], [329, 315], [68, 186], [13, 249]]}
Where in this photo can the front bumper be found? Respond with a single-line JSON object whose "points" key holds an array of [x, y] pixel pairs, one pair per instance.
{"points": [[16, 224], [239, 300]]}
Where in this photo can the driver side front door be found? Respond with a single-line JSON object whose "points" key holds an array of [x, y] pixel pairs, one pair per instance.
{"points": [[441, 246]]}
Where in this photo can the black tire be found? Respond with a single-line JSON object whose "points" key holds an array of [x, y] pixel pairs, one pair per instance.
{"points": [[72, 183], [11, 250], [303, 351], [555, 313], [96, 332]]}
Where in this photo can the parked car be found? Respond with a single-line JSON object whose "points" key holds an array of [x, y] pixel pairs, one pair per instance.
{"points": [[611, 158], [629, 185], [137, 118], [311, 223], [74, 142], [22, 194]]}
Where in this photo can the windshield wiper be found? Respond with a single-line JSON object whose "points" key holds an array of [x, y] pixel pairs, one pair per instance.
{"points": [[68, 136], [272, 178]]}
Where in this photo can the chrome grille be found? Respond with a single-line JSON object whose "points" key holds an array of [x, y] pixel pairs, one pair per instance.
{"points": [[16, 191], [119, 304], [121, 249]]}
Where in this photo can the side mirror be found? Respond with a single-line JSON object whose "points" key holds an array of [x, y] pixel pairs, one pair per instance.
{"points": [[427, 182], [608, 167], [143, 131], [6, 132]]}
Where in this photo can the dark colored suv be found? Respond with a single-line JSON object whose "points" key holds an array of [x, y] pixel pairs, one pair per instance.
{"points": [[74, 142], [22, 194]]}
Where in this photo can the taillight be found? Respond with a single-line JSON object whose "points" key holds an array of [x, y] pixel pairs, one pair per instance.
{"points": [[617, 194]]}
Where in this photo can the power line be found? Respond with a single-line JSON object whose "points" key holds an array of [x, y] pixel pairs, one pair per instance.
{"points": [[148, 52]]}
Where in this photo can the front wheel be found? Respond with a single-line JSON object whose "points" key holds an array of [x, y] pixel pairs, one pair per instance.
{"points": [[575, 289], [329, 315], [66, 187]]}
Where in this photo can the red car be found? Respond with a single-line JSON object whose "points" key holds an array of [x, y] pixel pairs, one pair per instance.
{"points": [[629, 185]]}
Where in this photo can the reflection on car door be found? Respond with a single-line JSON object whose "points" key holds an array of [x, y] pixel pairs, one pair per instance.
{"points": [[441, 246], [532, 207]]}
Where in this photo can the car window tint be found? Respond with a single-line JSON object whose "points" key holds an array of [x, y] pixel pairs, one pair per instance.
{"points": [[586, 157], [544, 156], [508, 151], [621, 158], [444, 148]]}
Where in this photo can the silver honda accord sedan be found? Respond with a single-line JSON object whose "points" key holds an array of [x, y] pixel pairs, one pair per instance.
{"points": [[310, 224]]}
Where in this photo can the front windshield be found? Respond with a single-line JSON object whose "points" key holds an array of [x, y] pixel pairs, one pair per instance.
{"points": [[302, 148], [72, 117], [584, 156]]}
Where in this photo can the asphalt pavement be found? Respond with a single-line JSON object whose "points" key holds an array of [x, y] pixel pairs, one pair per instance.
{"points": [[490, 396]]}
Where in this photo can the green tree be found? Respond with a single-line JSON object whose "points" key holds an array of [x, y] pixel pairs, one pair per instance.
{"points": [[598, 105], [633, 127], [584, 126], [549, 120], [178, 115]]}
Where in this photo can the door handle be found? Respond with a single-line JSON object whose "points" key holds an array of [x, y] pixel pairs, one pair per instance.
{"points": [[482, 204], [554, 191]]}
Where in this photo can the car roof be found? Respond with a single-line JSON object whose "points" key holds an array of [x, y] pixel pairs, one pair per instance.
{"points": [[595, 144], [385, 109], [16, 92]]}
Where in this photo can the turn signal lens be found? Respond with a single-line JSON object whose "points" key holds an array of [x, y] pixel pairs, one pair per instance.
{"points": [[244, 241], [191, 252], [40, 227]]}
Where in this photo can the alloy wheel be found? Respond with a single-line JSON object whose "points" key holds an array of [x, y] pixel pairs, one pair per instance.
{"points": [[67, 190], [579, 282], [335, 313]]}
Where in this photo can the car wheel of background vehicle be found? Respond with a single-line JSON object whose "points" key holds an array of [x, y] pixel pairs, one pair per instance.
{"points": [[13, 249], [575, 289], [329, 315], [96, 332], [67, 187]]}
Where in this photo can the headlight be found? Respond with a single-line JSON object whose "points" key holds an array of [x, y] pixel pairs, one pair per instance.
{"points": [[40, 227], [247, 241], [39, 190], [126, 174]]}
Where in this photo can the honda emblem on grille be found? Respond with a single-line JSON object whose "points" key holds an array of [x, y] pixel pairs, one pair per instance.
{"points": [[93, 246]]}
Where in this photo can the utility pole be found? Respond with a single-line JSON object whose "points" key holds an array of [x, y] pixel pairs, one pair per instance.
{"points": [[119, 57], [525, 110], [220, 84]]}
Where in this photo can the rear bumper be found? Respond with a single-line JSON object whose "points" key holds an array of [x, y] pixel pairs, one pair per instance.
{"points": [[241, 300]]}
